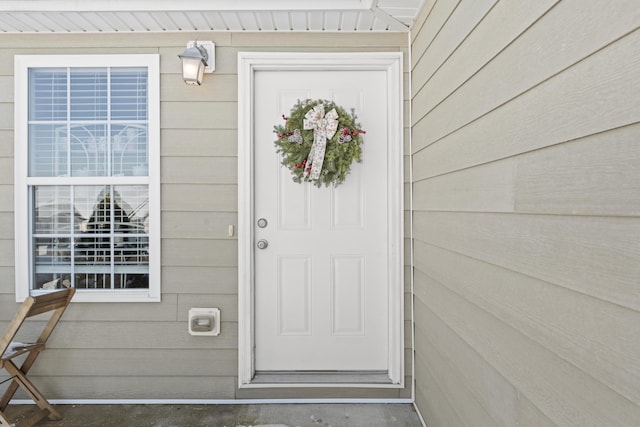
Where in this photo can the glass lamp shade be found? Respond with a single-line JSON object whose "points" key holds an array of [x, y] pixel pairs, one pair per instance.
{"points": [[194, 60]]}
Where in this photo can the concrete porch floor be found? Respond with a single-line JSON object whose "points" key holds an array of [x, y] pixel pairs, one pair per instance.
{"points": [[264, 415]]}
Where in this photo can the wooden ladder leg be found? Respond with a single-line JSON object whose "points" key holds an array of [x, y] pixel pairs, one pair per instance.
{"points": [[8, 395], [32, 391], [13, 387]]}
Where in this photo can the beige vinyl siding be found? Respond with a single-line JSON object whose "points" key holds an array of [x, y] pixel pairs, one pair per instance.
{"points": [[7, 256], [526, 182], [143, 350]]}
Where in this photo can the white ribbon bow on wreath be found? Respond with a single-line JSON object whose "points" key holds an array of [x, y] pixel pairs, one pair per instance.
{"points": [[324, 126]]}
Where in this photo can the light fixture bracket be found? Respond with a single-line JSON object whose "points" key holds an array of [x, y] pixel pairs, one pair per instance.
{"points": [[210, 48]]}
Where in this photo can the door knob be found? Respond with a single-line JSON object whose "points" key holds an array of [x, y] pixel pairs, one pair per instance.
{"points": [[262, 244]]}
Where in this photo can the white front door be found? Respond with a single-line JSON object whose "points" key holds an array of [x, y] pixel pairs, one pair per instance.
{"points": [[321, 285], [326, 294]]}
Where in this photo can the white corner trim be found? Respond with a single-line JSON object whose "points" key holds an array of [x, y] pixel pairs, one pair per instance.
{"points": [[391, 63]]}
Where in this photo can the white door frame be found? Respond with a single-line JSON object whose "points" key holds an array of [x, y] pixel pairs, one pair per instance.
{"points": [[248, 64]]}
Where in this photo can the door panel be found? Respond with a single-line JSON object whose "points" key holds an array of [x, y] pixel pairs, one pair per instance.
{"points": [[321, 284], [347, 295]]}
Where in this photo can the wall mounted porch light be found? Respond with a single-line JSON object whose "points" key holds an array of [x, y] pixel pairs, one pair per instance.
{"points": [[198, 58]]}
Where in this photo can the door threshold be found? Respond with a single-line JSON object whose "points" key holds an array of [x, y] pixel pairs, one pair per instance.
{"points": [[338, 378]]}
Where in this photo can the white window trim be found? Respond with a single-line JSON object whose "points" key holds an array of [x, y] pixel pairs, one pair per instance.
{"points": [[21, 181]]}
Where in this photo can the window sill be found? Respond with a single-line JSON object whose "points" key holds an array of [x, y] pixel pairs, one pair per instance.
{"points": [[121, 295]]}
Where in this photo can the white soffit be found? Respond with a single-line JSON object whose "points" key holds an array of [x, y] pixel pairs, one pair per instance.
{"points": [[111, 16]]}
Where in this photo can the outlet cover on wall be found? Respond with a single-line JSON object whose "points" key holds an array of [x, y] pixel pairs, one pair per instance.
{"points": [[204, 321]]}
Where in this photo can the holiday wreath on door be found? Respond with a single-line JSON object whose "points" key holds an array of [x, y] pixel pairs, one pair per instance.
{"points": [[319, 141]]}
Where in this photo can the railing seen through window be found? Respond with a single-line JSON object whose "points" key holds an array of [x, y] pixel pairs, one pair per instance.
{"points": [[91, 237]]}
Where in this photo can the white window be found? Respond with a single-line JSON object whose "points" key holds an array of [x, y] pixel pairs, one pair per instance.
{"points": [[87, 163]]}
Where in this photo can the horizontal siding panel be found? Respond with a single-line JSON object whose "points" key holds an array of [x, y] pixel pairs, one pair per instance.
{"points": [[200, 280], [123, 335], [407, 220], [407, 316], [576, 327], [138, 362], [199, 197], [408, 359], [453, 384], [227, 56], [226, 60], [228, 305], [200, 170], [593, 96], [197, 225], [6, 116], [552, 384], [6, 67], [90, 312], [530, 416], [213, 253], [161, 386], [554, 51], [407, 196], [407, 140], [408, 339], [8, 306], [437, 18], [578, 178], [199, 142], [461, 22], [142, 335], [215, 87], [6, 195], [203, 115], [486, 188], [407, 277], [6, 170], [420, 20], [130, 312], [6, 143], [437, 409], [452, 355], [596, 256], [6, 225], [7, 284], [6, 89], [7, 247], [504, 23]]}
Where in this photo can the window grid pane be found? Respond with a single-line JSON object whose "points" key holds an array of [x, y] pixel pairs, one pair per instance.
{"points": [[48, 94], [48, 150], [88, 94], [109, 228], [101, 131], [129, 94]]}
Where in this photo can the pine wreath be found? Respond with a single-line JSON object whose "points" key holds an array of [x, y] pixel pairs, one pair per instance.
{"points": [[296, 141]]}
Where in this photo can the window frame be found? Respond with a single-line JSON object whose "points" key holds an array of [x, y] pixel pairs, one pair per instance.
{"points": [[22, 182]]}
